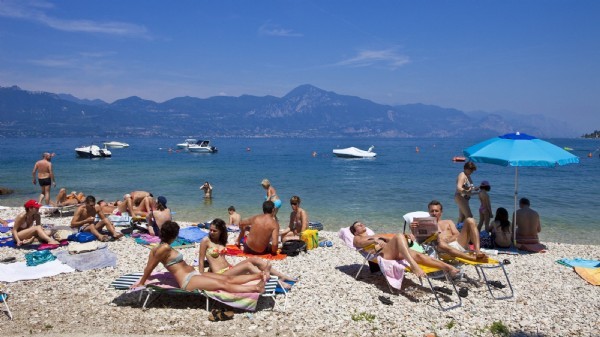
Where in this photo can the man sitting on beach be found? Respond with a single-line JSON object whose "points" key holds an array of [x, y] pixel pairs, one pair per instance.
{"points": [[90, 218], [451, 240], [528, 224], [263, 232]]}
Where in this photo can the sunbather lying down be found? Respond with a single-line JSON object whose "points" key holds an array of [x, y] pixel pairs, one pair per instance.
{"points": [[190, 279], [395, 247]]}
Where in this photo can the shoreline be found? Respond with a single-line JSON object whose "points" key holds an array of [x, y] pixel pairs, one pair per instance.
{"points": [[550, 299]]}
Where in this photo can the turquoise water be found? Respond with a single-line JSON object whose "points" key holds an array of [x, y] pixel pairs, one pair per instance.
{"points": [[334, 191]]}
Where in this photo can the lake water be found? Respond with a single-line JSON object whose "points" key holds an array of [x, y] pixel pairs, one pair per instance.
{"points": [[334, 191]]}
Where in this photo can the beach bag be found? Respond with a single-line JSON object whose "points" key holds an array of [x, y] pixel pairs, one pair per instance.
{"points": [[486, 240], [311, 238], [293, 247], [82, 237]]}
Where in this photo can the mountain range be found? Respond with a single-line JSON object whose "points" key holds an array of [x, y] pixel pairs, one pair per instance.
{"points": [[306, 111]]}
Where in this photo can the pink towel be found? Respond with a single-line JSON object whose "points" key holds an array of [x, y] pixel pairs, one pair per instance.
{"points": [[393, 270]]}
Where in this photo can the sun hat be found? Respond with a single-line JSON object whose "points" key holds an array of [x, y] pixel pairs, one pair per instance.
{"points": [[162, 200], [485, 183], [32, 203]]}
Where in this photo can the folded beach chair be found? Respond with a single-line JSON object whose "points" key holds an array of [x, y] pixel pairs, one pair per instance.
{"points": [[430, 247], [393, 271], [4, 299], [164, 283]]}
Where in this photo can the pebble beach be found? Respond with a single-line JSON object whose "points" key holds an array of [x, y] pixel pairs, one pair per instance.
{"points": [[549, 299]]}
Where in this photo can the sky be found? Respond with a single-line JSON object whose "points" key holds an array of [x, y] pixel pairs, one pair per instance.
{"points": [[529, 57]]}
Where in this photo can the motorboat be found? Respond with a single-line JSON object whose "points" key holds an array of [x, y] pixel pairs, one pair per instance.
{"points": [[115, 144], [187, 143], [93, 151], [202, 146], [353, 152]]}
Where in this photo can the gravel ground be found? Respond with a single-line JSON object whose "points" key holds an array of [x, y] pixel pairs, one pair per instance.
{"points": [[549, 300]]}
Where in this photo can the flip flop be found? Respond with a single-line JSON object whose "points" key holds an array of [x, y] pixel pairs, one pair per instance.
{"points": [[497, 284], [215, 315], [506, 261], [463, 292], [385, 300], [443, 290], [322, 244], [329, 243], [8, 259]]}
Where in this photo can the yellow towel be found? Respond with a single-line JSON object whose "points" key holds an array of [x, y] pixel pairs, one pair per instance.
{"points": [[592, 275]]}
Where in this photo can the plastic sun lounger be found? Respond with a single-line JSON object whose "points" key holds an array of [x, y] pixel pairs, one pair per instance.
{"points": [[169, 286], [370, 255], [47, 209]]}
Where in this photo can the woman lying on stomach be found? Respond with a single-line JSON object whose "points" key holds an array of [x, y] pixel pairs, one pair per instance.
{"points": [[190, 279], [212, 249]]}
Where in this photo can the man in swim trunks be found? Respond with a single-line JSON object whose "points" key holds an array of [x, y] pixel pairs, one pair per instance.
{"points": [[528, 224], [45, 176], [234, 218], [90, 218], [452, 241], [263, 232]]}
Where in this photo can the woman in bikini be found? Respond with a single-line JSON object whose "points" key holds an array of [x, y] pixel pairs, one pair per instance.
{"points": [[190, 279], [464, 188], [24, 231], [212, 249], [271, 196]]}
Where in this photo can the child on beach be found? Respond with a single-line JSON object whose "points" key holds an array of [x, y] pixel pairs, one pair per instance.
{"points": [[485, 209], [500, 229]]}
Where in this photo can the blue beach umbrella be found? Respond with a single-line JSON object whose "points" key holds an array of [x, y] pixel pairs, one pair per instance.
{"points": [[519, 149]]}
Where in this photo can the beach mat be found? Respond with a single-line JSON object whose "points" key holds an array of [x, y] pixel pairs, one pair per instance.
{"points": [[101, 258], [579, 262], [591, 275], [233, 250], [19, 271]]}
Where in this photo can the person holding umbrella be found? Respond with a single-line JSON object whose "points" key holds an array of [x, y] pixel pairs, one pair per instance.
{"points": [[464, 188]]}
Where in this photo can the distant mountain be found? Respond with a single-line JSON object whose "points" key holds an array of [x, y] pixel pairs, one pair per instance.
{"points": [[306, 111]]}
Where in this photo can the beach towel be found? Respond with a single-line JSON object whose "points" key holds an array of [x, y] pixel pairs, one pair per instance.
{"points": [[579, 262], [19, 271], [592, 275], [101, 258], [393, 270], [192, 234], [348, 237], [120, 220], [233, 250], [39, 257]]}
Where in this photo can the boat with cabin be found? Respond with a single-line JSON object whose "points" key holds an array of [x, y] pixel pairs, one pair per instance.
{"points": [[353, 152], [187, 143], [92, 151], [115, 145], [202, 146]]}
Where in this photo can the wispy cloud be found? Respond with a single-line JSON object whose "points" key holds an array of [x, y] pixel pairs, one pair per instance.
{"points": [[365, 58], [271, 29], [36, 11]]}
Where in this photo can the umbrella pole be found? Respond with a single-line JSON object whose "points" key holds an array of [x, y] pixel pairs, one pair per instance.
{"points": [[515, 213]]}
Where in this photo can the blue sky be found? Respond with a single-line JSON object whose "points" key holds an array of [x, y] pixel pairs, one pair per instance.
{"points": [[530, 57]]}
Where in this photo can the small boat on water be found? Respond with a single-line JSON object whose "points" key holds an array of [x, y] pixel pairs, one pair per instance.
{"points": [[115, 144], [458, 159], [353, 152], [92, 151], [187, 143], [202, 146]]}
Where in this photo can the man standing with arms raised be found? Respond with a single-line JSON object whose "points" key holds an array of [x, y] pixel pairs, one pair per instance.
{"points": [[45, 176]]}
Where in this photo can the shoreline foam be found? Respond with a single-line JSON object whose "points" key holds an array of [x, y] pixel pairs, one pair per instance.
{"points": [[550, 300]]}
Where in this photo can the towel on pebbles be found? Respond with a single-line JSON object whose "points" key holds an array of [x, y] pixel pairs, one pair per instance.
{"points": [[97, 259]]}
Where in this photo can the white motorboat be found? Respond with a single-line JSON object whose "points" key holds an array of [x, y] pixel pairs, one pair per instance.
{"points": [[93, 151], [115, 144], [202, 146], [352, 152], [187, 143]]}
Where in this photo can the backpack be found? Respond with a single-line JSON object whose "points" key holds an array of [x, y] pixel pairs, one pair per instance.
{"points": [[293, 247]]}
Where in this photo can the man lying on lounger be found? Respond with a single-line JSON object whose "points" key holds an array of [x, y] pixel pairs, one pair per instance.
{"points": [[90, 218], [451, 240], [395, 247], [64, 199], [263, 232]]}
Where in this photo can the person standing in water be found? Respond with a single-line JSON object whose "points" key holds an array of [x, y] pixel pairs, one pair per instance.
{"points": [[45, 176]]}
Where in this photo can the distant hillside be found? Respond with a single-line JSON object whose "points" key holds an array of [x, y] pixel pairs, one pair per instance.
{"points": [[306, 111]]}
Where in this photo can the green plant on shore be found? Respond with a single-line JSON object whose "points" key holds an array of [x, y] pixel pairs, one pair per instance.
{"points": [[450, 324], [499, 329], [363, 316]]}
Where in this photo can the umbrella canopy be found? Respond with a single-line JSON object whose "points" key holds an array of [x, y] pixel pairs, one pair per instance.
{"points": [[519, 150]]}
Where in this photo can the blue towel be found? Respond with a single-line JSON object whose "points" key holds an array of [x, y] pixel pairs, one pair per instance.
{"points": [[193, 234], [578, 262]]}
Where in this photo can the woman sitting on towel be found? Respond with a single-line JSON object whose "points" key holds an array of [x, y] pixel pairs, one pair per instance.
{"points": [[25, 231], [190, 279], [212, 248], [396, 248]]}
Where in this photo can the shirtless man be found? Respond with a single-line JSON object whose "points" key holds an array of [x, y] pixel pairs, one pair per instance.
{"points": [[263, 232], [85, 219], [207, 188], [450, 240], [234, 218], [138, 196], [24, 231], [298, 221], [528, 223], [45, 176], [158, 217]]}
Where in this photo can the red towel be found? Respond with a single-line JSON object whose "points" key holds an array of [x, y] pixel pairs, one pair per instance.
{"points": [[234, 250]]}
